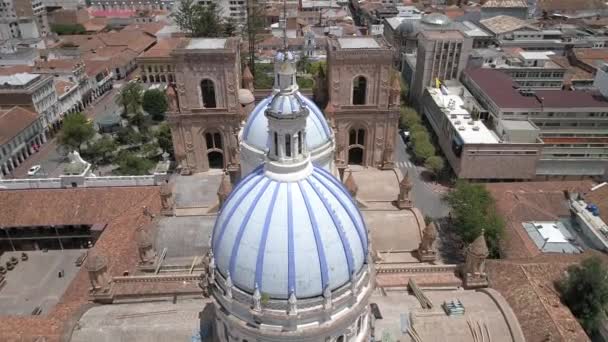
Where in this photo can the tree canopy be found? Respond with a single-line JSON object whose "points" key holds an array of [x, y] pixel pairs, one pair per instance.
{"points": [[200, 20], [131, 164], [76, 130], [409, 117], [423, 149], [130, 97], [163, 137], [155, 103], [65, 29], [100, 151], [435, 164], [473, 211], [585, 291]]}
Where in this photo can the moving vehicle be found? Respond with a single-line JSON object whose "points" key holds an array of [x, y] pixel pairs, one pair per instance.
{"points": [[33, 170], [405, 135]]}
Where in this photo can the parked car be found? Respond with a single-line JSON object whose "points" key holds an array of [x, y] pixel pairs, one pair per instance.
{"points": [[405, 135], [33, 170]]}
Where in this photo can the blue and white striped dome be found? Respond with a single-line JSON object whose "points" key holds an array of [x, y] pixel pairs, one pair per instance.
{"points": [[284, 237], [255, 132]]}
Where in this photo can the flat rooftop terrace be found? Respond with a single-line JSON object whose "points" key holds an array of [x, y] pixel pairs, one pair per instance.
{"points": [[35, 283], [470, 131]]}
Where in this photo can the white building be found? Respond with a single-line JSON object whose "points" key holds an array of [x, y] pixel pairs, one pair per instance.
{"points": [[23, 19], [290, 252]]}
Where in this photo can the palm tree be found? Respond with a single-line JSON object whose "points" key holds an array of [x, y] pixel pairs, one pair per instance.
{"points": [[130, 97]]}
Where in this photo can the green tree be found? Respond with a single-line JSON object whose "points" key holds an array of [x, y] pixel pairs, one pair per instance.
{"points": [[100, 151], [423, 150], [316, 67], [128, 136], [155, 103], [253, 29], [420, 136], [76, 130], [473, 211], [64, 29], [435, 164], [419, 128], [139, 120], [163, 137], [130, 97], [198, 20], [132, 164], [409, 117], [584, 289], [303, 64]]}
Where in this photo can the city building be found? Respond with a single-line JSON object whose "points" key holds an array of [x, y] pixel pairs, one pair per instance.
{"points": [[32, 91], [528, 69], [156, 64], [569, 123], [441, 55], [23, 19], [21, 132], [364, 96], [513, 8]]}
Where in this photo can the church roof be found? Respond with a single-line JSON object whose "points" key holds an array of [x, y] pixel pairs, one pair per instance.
{"points": [[255, 132], [290, 236]]}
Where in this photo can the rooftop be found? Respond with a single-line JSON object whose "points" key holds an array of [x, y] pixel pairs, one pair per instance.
{"points": [[13, 121], [162, 48], [119, 207], [505, 3], [499, 87], [358, 43], [551, 236], [468, 130], [206, 43], [503, 24], [19, 79]]}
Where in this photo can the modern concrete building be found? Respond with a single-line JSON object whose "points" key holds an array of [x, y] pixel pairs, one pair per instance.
{"points": [[474, 150], [513, 8], [529, 69], [441, 55], [571, 124], [23, 19]]}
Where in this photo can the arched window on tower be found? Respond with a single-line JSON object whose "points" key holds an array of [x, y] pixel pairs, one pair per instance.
{"points": [[208, 93], [299, 142], [287, 145], [359, 90], [276, 144]]}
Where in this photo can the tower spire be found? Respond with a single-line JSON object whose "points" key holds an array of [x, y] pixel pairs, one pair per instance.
{"points": [[285, 25]]}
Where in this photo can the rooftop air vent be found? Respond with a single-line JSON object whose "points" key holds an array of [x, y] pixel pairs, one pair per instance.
{"points": [[457, 122], [453, 116], [471, 123], [467, 117], [476, 128], [461, 128]]}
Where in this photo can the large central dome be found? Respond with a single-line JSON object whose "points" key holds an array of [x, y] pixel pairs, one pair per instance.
{"points": [[283, 237]]}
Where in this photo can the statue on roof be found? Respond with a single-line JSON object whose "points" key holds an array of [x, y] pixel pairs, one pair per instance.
{"points": [[474, 268], [405, 186], [426, 251]]}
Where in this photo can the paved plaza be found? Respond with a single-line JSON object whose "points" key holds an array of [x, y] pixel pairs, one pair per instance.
{"points": [[35, 282]]}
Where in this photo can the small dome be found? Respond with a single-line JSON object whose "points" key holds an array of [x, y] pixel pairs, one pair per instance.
{"points": [[437, 19], [245, 96], [301, 236], [406, 27], [255, 132], [285, 105]]}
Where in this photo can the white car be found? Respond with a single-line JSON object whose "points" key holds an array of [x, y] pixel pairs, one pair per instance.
{"points": [[405, 135], [33, 170]]}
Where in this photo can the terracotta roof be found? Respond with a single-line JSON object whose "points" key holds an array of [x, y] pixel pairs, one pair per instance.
{"points": [[15, 69], [569, 5], [62, 87], [592, 57], [120, 208], [136, 40], [150, 28], [95, 24], [530, 201], [529, 288], [94, 67], [503, 24], [573, 72], [163, 47], [13, 121], [66, 65], [506, 3]]}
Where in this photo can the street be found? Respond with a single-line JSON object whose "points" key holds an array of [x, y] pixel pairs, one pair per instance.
{"points": [[425, 195], [49, 158]]}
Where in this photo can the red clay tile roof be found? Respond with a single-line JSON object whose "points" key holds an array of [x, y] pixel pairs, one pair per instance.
{"points": [[530, 201], [529, 287], [569, 5], [163, 48], [591, 57], [13, 121], [150, 28], [119, 207], [15, 69], [62, 87]]}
